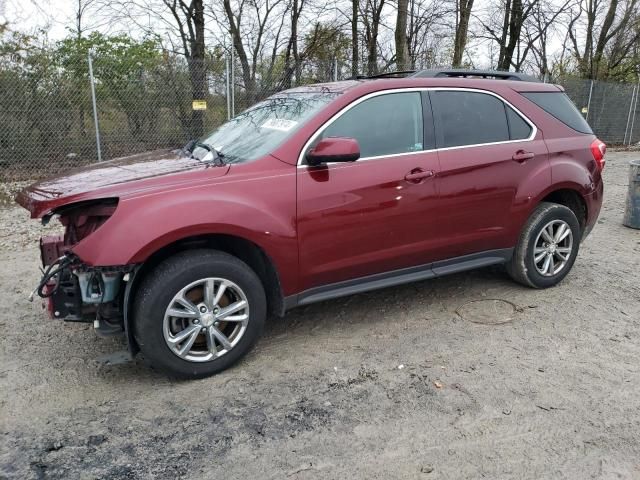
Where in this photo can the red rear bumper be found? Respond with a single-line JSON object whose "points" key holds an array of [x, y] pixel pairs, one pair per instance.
{"points": [[594, 204]]}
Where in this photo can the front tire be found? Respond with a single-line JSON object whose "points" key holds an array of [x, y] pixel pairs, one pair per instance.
{"points": [[198, 312], [547, 247]]}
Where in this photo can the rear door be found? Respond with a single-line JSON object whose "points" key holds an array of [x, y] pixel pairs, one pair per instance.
{"points": [[378, 213], [488, 153]]}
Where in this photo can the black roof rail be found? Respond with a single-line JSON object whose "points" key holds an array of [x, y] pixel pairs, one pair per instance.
{"points": [[399, 73], [464, 73]]}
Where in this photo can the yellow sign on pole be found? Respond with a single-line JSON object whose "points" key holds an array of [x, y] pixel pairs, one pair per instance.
{"points": [[199, 105]]}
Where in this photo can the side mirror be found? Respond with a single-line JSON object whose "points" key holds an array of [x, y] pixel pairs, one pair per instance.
{"points": [[334, 149]]}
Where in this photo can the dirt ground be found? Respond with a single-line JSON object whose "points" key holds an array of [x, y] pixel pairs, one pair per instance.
{"points": [[389, 384]]}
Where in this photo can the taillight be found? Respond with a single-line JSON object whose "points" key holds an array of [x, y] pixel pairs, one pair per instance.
{"points": [[598, 150]]}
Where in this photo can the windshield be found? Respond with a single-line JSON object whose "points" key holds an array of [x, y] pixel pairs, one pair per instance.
{"points": [[261, 128]]}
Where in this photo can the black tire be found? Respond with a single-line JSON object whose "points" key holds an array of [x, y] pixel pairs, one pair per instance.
{"points": [[166, 280], [522, 267]]}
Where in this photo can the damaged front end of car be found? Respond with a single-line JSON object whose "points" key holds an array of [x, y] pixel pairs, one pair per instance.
{"points": [[73, 290]]}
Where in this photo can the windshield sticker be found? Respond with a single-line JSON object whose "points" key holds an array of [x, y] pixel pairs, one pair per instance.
{"points": [[281, 124]]}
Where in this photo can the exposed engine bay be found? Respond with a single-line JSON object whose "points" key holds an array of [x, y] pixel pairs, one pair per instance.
{"points": [[72, 290]]}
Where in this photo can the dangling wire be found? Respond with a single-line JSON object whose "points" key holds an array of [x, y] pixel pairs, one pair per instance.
{"points": [[52, 271]]}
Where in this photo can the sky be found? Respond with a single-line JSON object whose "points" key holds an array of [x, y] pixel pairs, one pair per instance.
{"points": [[56, 16], [29, 15]]}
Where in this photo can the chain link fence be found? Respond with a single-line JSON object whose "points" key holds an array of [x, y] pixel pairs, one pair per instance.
{"points": [[48, 116], [610, 108]]}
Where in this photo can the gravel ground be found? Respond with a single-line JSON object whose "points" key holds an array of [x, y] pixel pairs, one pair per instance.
{"points": [[389, 384]]}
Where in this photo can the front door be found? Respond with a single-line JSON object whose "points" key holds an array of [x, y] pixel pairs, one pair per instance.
{"points": [[375, 214]]}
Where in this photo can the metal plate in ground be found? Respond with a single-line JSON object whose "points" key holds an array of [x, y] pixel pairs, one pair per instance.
{"points": [[490, 311], [115, 358]]}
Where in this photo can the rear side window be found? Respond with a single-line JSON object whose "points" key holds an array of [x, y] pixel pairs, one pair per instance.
{"points": [[383, 125], [468, 118], [559, 105]]}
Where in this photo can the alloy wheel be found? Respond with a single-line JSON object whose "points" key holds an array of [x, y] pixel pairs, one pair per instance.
{"points": [[553, 248], [206, 319]]}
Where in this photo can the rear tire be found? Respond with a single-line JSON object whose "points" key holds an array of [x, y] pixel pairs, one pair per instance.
{"points": [[547, 247], [180, 321]]}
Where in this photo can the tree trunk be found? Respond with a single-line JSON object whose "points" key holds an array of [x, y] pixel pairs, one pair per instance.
{"points": [[297, 64], [373, 25], [586, 63], [402, 60], [197, 68], [372, 51], [603, 39], [462, 28], [354, 38], [514, 27], [505, 32], [247, 77]]}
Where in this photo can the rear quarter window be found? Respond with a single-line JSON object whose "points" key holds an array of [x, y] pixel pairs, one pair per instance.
{"points": [[518, 128], [561, 107]]}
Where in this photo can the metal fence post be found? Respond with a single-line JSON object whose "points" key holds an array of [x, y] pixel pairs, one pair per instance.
{"points": [[232, 84], [589, 101], [335, 69], [633, 117], [228, 86], [95, 108], [626, 129]]}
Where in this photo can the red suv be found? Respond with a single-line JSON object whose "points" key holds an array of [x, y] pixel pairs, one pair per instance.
{"points": [[315, 193]]}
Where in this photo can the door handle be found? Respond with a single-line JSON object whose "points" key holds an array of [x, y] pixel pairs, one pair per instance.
{"points": [[521, 156], [417, 175]]}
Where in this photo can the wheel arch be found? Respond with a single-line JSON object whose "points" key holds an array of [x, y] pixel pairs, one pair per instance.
{"points": [[570, 198], [247, 251]]}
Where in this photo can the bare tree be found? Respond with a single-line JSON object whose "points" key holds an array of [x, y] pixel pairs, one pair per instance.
{"points": [[402, 47], [86, 17], [292, 45], [354, 38], [189, 20], [292, 52], [426, 32], [254, 25], [620, 21], [622, 53], [82, 9], [234, 21], [463, 14], [323, 45], [513, 14], [371, 15], [544, 22]]}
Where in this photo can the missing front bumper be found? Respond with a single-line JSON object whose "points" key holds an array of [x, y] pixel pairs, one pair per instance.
{"points": [[76, 292]]}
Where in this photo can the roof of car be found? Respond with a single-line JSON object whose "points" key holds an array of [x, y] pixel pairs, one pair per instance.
{"points": [[460, 78], [479, 74]]}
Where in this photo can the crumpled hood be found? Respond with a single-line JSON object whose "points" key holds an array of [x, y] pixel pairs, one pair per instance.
{"points": [[115, 178]]}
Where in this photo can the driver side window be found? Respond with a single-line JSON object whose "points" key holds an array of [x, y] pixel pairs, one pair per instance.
{"points": [[383, 125]]}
